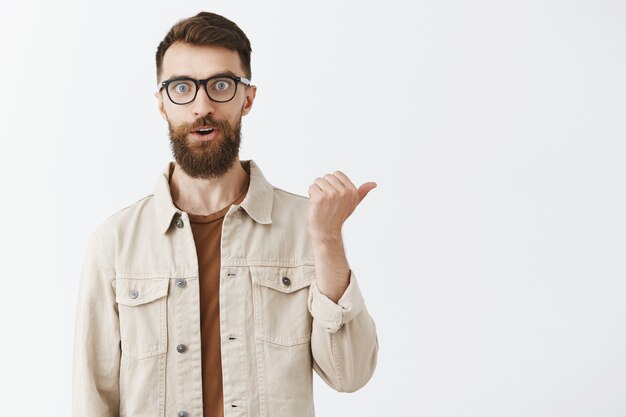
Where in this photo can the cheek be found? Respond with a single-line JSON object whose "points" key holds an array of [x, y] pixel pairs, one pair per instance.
{"points": [[177, 114]]}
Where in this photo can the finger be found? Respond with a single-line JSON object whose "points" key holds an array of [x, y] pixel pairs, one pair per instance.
{"points": [[334, 181], [323, 184], [314, 189], [365, 188], [344, 179]]}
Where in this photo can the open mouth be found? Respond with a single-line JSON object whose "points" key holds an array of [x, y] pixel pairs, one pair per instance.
{"points": [[205, 131]]}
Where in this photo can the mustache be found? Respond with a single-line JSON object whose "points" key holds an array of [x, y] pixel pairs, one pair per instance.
{"points": [[222, 125]]}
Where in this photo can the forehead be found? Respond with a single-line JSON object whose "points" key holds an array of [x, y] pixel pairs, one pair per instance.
{"points": [[199, 61]]}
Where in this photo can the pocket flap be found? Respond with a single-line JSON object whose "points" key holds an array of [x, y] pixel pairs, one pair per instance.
{"points": [[285, 279], [134, 292]]}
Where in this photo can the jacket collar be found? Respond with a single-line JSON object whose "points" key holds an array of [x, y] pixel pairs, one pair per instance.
{"points": [[257, 203]]}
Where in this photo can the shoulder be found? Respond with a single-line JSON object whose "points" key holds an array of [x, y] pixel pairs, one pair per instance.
{"points": [[289, 196], [126, 221], [128, 213], [286, 199]]}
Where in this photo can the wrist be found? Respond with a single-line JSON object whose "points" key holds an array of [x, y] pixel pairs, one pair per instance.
{"points": [[325, 237]]}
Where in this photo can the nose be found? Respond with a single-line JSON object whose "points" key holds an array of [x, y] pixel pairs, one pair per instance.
{"points": [[202, 105]]}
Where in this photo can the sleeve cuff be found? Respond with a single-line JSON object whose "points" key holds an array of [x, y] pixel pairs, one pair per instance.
{"points": [[333, 316]]}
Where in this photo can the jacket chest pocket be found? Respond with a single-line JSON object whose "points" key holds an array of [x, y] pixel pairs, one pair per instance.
{"points": [[142, 307], [281, 314]]}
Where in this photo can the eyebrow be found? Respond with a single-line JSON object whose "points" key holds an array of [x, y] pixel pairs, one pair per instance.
{"points": [[230, 73]]}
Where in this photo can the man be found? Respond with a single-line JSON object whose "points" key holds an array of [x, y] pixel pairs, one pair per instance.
{"points": [[218, 294]]}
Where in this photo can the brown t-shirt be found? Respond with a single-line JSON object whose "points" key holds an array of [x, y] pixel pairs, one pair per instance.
{"points": [[207, 234]]}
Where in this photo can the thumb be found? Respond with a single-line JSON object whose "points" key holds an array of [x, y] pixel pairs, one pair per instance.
{"points": [[364, 189]]}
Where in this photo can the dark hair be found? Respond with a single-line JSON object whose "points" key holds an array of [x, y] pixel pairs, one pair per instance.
{"points": [[207, 29]]}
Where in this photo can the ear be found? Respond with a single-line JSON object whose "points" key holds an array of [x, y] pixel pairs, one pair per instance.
{"points": [[250, 95], [160, 105]]}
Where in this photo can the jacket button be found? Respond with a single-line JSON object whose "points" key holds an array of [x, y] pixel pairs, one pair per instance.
{"points": [[179, 223], [181, 348], [180, 283], [286, 281], [133, 294], [183, 414]]}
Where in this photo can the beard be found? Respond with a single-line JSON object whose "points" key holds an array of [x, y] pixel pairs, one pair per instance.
{"points": [[210, 159]]}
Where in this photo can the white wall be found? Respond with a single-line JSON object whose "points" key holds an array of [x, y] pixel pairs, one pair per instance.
{"points": [[491, 255]]}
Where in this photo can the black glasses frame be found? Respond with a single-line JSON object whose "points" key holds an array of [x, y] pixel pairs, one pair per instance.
{"points": [[205, 82]]}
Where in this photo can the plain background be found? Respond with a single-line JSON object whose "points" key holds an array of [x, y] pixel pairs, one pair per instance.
{"points": [[491, 255]]}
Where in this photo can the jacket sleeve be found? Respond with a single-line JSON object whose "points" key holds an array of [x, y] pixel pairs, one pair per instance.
{"points": [[343, 340], [95, 380]]}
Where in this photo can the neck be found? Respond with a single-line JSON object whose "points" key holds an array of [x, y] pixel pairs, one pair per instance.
{"points": [[205, 196]]}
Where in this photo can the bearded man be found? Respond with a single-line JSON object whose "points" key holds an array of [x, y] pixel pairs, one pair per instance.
{"points": [[218, 294]]}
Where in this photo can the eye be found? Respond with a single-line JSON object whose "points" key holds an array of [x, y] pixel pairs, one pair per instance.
{"points": [[180, 87], [222, 84]]}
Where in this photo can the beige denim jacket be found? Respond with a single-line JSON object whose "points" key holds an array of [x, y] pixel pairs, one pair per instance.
{"points": [[137, 335]]}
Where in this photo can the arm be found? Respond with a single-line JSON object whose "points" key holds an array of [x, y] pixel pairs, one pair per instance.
{"points": [[95, 382], [343, 340]]}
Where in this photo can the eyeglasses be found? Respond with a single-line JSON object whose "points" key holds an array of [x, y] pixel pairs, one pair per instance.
{"points": [[219, 88]]}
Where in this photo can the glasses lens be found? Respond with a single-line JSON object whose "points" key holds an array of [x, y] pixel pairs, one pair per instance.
{"points": [[221, 89], [181, 91]]}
